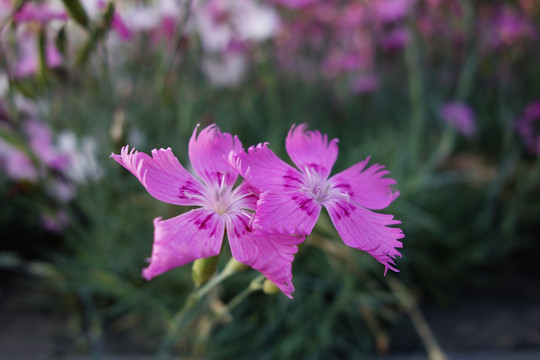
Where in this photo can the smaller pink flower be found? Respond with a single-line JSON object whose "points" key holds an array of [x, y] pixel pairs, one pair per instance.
{"points": [[219, 206], [460, 116], [291, 198], [528, 126]]}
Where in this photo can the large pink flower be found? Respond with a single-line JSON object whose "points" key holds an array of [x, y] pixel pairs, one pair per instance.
{"points": [[199, 232], [291, 200]]}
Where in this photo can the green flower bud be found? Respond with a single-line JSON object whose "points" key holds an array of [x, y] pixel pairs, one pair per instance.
{"points": [[269, 287], [203, 269]]}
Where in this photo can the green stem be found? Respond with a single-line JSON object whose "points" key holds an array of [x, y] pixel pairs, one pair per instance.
{"points": [[191, 301], [416, 91], [255, 285], [3, 24], [523, 189], [468, 72]]}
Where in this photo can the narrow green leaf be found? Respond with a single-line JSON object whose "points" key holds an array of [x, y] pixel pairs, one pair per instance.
{"points": [[76, 12], [61, 41], [27, 87], [42, 51], [97, 35]]}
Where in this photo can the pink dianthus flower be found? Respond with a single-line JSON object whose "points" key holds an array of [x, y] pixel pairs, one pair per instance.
{"points": [[291, 199], [199, 232]]}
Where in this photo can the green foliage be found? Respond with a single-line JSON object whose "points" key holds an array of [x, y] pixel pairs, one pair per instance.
{"points": [[464, 205]]}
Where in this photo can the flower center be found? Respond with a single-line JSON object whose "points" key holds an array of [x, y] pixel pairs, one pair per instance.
{"points": [[316, 186], [224, 199]]}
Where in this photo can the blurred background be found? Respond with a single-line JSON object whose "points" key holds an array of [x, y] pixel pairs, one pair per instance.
{"points": [[444, 93]]}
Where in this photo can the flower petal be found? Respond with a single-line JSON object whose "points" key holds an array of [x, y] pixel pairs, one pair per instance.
{"points": [[367, 187], [311, 150], [207, 153], [163, 176], [183, 239], [262, 168], [366, 230], [286, 213], [270, 254], [248, 196]]}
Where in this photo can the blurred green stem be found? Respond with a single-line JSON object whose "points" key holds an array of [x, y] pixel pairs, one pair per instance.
{"points": [[505, 170], [193, 299], [255, 285], [408, 302], [3, 24], [416, 90], [523, 188], [470, 66], [463, 88]]}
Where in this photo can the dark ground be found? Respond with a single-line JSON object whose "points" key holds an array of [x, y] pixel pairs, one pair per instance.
{"points": [[499, 321]]}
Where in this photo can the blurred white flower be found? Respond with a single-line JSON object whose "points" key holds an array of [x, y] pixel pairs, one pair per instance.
{"points": [[4, 84], [225, 70], [83, 165], [221, 22]]}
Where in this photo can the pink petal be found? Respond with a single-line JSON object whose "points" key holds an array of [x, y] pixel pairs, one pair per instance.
{"points": [[262, 168], [183, 239], [270, 254], [207, 153], [366, 230], [311, 150], [38, 12], [163, 176], [249, 195], [120, 26], [367, 187], [286, 212]]}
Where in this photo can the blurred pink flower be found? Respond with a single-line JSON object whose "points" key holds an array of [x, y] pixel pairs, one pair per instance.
{"points": [[28, 55], [120, 27], [55, 221], [528, 126], [291, 199], [40, 140], [392, 10], [395, 39], [16, 164], [364, 84], [505, 26], [330, 38], [296, 4], [219, 206], [40, 12], [460, 116], [117, 24]]}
